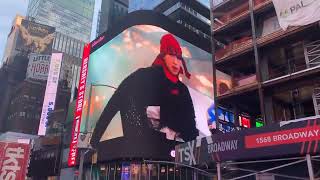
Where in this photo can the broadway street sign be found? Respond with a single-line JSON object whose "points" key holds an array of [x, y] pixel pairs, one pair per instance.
{"points": [[291, 139]]}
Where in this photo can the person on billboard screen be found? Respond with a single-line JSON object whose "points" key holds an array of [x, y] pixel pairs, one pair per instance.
{"points": [[154, 98]]}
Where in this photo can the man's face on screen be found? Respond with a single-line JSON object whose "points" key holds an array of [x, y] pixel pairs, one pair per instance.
{"points": [[173, 64]]}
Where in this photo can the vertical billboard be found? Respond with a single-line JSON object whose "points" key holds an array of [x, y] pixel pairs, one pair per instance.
{"points": [[51, 91], [34, 37], [73, 149], [38, 66], [14, 159]]}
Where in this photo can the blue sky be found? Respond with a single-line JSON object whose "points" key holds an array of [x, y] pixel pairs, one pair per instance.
{"points": [[9, 9]]}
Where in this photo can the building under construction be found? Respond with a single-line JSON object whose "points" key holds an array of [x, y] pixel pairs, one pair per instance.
{"points": [[273, 73], [273, 81]]}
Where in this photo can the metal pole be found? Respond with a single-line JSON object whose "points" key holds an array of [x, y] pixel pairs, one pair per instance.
{"points": [[214, 68], [91, 171], [219, 171], [61, 148], [276, 174], [81, 165], [82, 155], [180, 164], [257, 62], [88, 110], [263, 161], [270, 169], [310, 168]]}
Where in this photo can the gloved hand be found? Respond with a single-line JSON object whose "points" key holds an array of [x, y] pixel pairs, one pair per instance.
{"points": [[153, 114]]}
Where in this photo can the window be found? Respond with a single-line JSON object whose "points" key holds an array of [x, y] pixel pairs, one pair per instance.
{"points": [[60, 42], [22, 114]]}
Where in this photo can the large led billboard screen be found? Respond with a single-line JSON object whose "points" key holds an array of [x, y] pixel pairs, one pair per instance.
{"points": [[50, 92], [36, 38], [134, 105], [135, 48]]}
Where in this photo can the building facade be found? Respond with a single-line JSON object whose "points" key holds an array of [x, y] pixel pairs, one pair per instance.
{"points": [[274, 72], [71, 18], [26, 105], [111, 12], [11, 39], [193, 15], [21, 71], [15, 65]]}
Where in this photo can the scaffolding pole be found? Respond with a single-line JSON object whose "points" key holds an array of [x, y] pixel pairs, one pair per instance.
{"points": [[219, 171], [310, 168]]}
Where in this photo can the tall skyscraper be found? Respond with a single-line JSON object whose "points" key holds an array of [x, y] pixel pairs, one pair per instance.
{"points": [[25, 37], [9, 51], [194, 15], [135, 5], [111, 11], [72, 18]]}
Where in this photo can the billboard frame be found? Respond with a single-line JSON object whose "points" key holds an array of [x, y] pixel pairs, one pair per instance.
{"points": [[142, 17]]}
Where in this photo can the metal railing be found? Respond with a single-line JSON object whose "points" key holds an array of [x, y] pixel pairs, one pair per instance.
{"points": [[238, 12], [240, 83], [285, 69]]}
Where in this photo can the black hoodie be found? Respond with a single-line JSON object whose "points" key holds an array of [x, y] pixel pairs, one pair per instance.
{"points": [[149, 87]]}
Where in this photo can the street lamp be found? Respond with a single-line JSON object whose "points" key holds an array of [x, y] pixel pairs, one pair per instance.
{"points": [[89, 102], [88, 148]]}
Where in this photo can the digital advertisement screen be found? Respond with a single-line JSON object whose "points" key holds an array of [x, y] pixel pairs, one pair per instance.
{"points": [[36, 38], [136, 97], [133, 49]]}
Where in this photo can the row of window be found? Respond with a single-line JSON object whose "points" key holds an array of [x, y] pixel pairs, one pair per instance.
{"points": [[64, 20], [22, 98], [32, 8], [68, 45], [27, 115], [69, 13], [44, 155], [142, 171], [193, 29], [193, 12]]}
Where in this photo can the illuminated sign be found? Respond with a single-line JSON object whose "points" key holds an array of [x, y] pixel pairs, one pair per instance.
{"points": [[244, 122], [38, 66], [259, 124], [14, 159], [78, 108], [51, 91]]}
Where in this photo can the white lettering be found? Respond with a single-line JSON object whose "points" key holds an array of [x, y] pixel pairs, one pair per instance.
{"points": [[11, 164], [223, 146]]}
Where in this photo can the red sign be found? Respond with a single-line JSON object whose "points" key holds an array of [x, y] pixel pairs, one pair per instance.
{"points": [[292, 136], [244, 122], [14, 159], [287, 139], [78, 109]]}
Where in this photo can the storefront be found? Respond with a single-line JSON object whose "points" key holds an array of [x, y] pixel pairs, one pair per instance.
{"points": [[135, 170], [289, 149]]}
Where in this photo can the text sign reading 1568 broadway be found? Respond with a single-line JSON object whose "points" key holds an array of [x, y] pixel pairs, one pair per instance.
{"points": [[293, 139]]}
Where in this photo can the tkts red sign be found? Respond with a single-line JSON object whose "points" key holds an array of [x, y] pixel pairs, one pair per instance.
{"points": [[13, 160]]}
